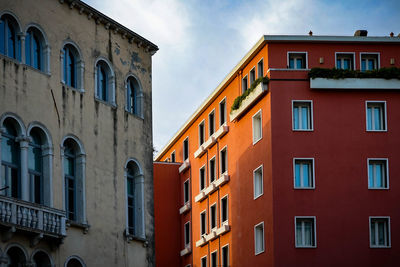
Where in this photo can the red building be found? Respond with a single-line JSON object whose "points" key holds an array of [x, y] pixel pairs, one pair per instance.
{"points": [[302, 170]]}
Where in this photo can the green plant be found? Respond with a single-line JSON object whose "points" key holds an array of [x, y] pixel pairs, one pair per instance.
{"points": [[238, 100], [386, 73]]}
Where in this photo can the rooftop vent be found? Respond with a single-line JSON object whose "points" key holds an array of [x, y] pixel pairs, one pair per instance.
{"points": [[361, 33]]}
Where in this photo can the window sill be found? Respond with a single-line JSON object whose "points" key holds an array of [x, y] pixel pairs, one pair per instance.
{"points": [[302, 130], [380, 246], [378, 188], [37, 70], [376, 131], [84, 226], [256, 141], [304, 188], [306, 246], [185, 251], [134, 115], [112, 105], [185, 165], [185, 208], [65, 86]]}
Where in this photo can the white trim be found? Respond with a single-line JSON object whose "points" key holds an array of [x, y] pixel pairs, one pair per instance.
{"points": [[389, 234], [225, 113], [227, 209], [183, 149], [187, 180], [354, 67], [386, 160], [311, 116], [384, 111], [137, 163], [209, 124], [258, 74], [205, 178], [255, 238], [378, 54], [216, 216], [294, 173], [21, 129], [204, 131], [216, 253], [205, 223], [226, 160], [201, 259], [222, 250], [209, 169], [314, 218], [300, 53], [262, 181], [259, 112]]}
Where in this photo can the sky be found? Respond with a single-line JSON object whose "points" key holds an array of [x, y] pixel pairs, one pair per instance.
{"points": [[200, 41]]}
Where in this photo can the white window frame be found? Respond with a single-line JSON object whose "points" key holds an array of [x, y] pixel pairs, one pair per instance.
{"points": [[215, 169], [247, 83], [347, 53], [201, 261], [313, 173], [183, 149], [255, 140], [224, 111], [184, 235], [255, 77], [173, 153], [216, 216], [384, 114], [203, 122], [205, 178], [205, 223], [389, 245], [222, 250], [225, 148], [386, 160], [216, 254], [311, 115], [315, 231], [188, 193], [227, 210], [299, 53], [209, 124], [261, 167], [378, 58], [258, 69], [255, 238]]}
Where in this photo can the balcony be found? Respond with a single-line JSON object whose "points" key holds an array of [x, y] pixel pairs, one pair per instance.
{"points": [[185, 165], [355, 83], [29, 217], [185, 208], [185, 251], [246, 103], [222, 130], [223, 229], [212, 187]]}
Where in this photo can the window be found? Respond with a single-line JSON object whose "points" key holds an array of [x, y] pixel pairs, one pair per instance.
{"points": [[214, 259], [186, 194], [74, 261], [260, 69], [244, 84], [201, 133], [212, 170], [10, 44], [302, 115], [252, 76], [297, 60], [105, 85], [369, 61], [173, 156], [202, 178], [222, 112], [259, 238], [303, 173], [35, 167], [211, 123], [135, 201], [225, 256], [72, 66], [224, 210], [34, 48], [345, 61], [203, 223], [204, 261], [213, 216], [305, 232], [134, 97], [378, 174], [258, 182], [186, 148], [376, 116], [379, 232], [257, 127], [224, 160], [187, 234]]}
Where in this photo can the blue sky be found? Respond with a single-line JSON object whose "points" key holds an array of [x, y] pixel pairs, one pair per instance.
{"points": [[200, 41]]}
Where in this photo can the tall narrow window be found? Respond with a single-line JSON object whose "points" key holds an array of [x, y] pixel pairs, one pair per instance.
{"points": [[9, 41], [345, 61], [203, 223], [222, 112], [225, 256], [35, 164], [201, 133], [257, 127], [244, 84], [252, 76], [259, 238], [186, 190], [376, 120], [303, 173], [379, 232], [133, 97], [260, 69], [302, 115], [224, 210], [213, 216], [135, 200], [212, 170], [105, 87], [305, 232], [204, 261], [10, 160], [211, 123], [258, 182], [70, 180], [34, 48], [187, 234], [186, 149], [173, 157], [202, 178], [377, 174], [224, 160], [214, 259], [70, 66]]}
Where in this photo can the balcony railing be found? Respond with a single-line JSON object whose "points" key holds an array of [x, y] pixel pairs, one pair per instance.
{"points": [[355, 83], [32, 217]]}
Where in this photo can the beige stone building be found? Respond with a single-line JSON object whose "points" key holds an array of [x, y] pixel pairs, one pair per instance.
{"points": [[76, 181]]}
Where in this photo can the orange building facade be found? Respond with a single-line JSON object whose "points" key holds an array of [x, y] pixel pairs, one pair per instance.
{"points": [[302, 172]]}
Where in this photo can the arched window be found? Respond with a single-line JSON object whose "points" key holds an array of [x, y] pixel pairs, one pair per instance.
{"points": [[74, 261], [105, 86], [74, 175], [9, 40], [135, 202], [16, 257], [134, 96], [34, 44], [10, 160], [41, 259], [72, 66]]}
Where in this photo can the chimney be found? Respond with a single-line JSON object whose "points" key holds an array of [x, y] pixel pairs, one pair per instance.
{"points": [[361, 33]]}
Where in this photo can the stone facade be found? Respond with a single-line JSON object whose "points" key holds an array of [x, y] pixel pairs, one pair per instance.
{"points": [[109, 136]]}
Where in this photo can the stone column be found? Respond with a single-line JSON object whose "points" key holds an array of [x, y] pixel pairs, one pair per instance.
{"points": [[47, 159], [64, 205], [24, 144], [139, 206], [2, 182], [22, 38], [80, 188], [62, 58]]}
